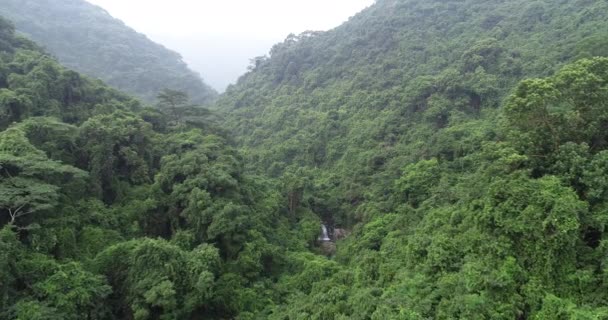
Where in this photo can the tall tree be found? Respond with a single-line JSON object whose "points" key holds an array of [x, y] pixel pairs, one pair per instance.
{"points": [[29, 180], [172, 102]]}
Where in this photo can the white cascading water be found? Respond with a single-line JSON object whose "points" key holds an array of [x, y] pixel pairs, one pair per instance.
{"points": [[325, 235]]}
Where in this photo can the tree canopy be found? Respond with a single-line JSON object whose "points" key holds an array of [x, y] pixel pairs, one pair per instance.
{"points": [[454, 151]]}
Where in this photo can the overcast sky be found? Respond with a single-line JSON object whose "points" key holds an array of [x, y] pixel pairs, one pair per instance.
{"points": [[218, 37]]}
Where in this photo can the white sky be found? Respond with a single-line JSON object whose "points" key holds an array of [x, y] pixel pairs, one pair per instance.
{"points": [[218, 37]]}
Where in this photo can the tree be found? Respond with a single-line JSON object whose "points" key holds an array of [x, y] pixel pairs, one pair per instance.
{"points": [[159, 280], [568, 107], [418, 180], [116, 149], [172, 102], [176, 104], [13, 107], [29, 181], [75, 293], [10, 249]]}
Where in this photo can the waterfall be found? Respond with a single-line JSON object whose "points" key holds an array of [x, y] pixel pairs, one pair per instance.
{"points": [[324, 235]]}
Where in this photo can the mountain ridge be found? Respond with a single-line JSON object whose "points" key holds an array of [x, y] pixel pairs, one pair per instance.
{"points": [[93, 42]]}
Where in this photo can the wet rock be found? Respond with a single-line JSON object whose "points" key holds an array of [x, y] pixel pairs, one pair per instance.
{"points": [[328, 248]]}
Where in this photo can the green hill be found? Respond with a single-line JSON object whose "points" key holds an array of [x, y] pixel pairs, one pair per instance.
{"points": [[400, 82], [110, 210], [407, 124], [86, 38], [458, 149]]}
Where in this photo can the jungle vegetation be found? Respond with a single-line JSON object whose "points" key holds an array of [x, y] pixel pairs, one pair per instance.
{"points": [[463, 144]]}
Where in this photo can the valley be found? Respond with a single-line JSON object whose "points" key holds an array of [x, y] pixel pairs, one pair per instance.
{"points": [[439, 159]]}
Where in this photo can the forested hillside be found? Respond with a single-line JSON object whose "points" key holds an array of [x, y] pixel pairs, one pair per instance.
{"points": [[110, 210], [86, 38], [459, 149], [470, 196], [401, 82]]}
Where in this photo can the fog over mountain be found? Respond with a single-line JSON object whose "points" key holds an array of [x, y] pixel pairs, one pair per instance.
{"points": [[86, 38], [210, 34], [220, 62]]}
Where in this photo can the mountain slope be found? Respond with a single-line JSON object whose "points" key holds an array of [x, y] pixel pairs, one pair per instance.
{"points": [[111, 210], [384, 89], [459, 148], [87, 39], [444, 135]]}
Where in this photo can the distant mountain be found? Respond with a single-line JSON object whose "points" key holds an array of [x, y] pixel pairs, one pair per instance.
{"points": [[86, 38]]}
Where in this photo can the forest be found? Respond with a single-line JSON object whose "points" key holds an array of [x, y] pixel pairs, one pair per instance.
{"points": [[86, 39], [455, 152]]}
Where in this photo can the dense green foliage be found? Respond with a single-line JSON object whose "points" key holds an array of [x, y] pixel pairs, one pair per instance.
{"points": [[87, 39], [460, 147], [110, 210], [466, 202], [401, 82]]}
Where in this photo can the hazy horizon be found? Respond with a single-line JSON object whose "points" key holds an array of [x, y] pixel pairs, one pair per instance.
{"points": [[217, 39]]}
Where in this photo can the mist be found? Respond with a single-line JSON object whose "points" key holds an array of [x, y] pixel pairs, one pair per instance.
{"points": [[218, 38], [218, 61]]}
